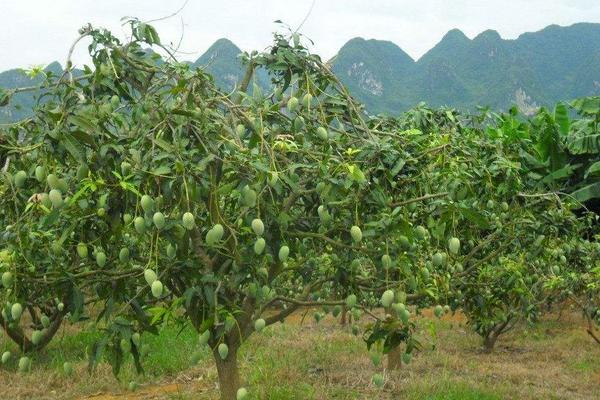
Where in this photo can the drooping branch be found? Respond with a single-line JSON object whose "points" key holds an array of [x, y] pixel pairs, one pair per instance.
{"points": [[246, 79], [84, 32]]}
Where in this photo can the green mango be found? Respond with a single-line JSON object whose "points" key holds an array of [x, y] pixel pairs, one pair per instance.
{"points": [[40, 173], [124, 255], [188, 221], [7, 279], [82, 251], [387, 298], [55, 197], [356, 234], [454, 245], [241, 394], [68, 368], [24, 364], [147, 204], [36, 337], [259, 246], [6, 357], [157, 288], [150, 276], [259, 324], [322, 133], [284, 253], [258, 227], [16, 310], [140, 225], [351, 301], [421, 232], [306, 100], [159, 220], [52, 181], [20, 178], [386, 261], [100, 259], [204, 337], [292, 104], [223, 350]]}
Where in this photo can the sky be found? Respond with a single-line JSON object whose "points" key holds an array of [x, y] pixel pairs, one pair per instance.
{"points": [[35, 32]]}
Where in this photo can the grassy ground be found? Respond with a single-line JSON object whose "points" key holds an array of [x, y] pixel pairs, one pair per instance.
{"points": [[553, 360]]}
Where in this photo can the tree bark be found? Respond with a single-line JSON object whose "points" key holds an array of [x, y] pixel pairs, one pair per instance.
{"points": [[229, 378], [394, 359], [343, 317]]}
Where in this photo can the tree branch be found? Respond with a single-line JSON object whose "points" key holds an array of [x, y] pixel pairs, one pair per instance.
{"points": [[417, 199]]}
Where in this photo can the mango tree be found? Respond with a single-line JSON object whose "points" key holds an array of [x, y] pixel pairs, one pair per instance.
{"points": [[142, 188], [496, 226]]}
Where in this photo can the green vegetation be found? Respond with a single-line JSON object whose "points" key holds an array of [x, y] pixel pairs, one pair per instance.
{"points": [[310, 361], [142, 197]]}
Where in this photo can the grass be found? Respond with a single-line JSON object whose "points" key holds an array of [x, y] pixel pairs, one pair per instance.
{"points": [[551, 360]]}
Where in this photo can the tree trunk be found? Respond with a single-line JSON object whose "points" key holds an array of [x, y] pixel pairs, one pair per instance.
{"points": [[229, 378], [18, 336], [343, 318], [394, 359], [489, 341], [590, 330]]}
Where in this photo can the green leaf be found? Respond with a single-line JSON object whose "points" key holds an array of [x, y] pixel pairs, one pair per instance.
{"points": [[4, 97], [95, 353], [397, 167], [593, 170], [587, 193], [162, 170], [474, 216], [83, 123], [587, 105], [73, 146], [356, 174], [561, 116], [560, 174], [164, 145], [151, 35], [588, 144]]}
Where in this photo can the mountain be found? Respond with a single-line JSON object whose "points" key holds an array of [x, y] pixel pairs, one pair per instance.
{"points": [[21, 103], [538, 68], [222, 61], [369, 68]]}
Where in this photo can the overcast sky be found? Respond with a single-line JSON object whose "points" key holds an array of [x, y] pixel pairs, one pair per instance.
{"points": [[40, 31]]}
